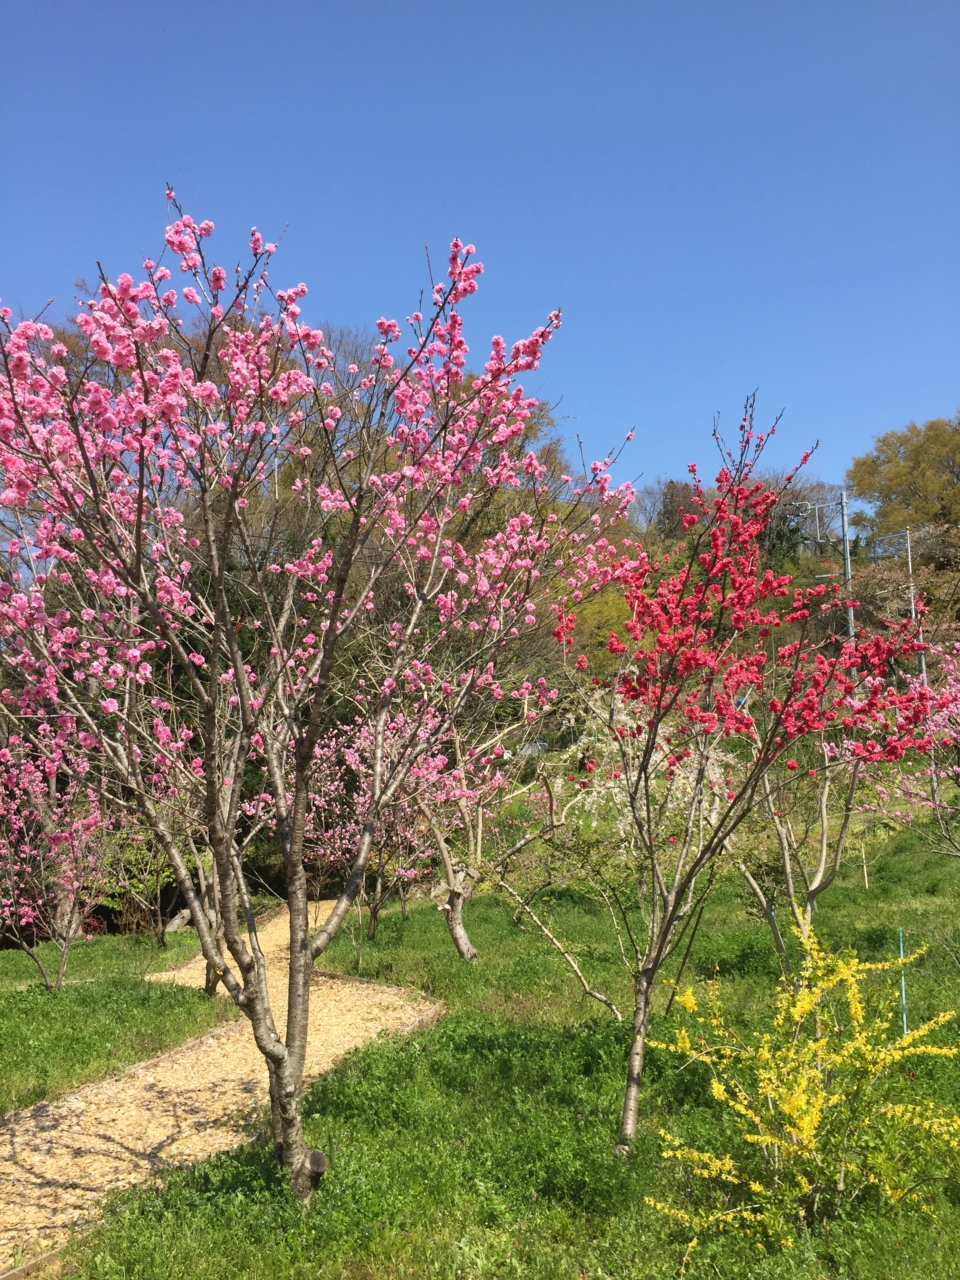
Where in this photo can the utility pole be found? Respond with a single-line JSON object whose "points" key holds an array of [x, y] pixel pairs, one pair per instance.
{"points": [[913, 609], [847, 572], [934, 787]]}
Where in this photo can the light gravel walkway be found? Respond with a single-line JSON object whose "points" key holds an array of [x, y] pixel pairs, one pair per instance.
{"points": [[58, 1159]]}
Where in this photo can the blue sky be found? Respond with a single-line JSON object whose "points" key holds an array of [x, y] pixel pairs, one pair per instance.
{"points": [[722, 195]]}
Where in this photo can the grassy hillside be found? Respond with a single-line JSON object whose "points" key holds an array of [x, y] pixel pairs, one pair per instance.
{"points": [[105, 1019], [483, 1147]]}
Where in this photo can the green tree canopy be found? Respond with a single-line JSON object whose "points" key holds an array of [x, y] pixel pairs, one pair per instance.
{"points": [[910, 477]]}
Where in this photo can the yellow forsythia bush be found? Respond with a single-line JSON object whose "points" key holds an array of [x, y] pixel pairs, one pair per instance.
{"points": [[820, 1100]]}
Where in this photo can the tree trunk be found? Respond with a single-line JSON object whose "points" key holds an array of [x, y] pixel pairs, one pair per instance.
{"points": [[67, 926], [456, 880], [305, 1165], [66, 946], [771, 918], [375, 905], [643, 989], [275, 1123], [284, 1058], [454, 912], [211, 902]]}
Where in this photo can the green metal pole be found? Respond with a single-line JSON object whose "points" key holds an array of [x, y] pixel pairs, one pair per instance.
{"points": [[903, 985]]}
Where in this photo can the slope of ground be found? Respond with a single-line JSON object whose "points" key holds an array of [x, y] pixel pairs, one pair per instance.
{"points": [[483, 1148], [58, 1159]]}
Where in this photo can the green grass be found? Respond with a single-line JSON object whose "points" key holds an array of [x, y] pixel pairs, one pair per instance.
{"points": [[104, 955], [483, 1147], [105, 1019]]}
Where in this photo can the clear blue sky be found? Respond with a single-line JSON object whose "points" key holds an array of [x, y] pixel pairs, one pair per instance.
{"points": [[721, 194]]}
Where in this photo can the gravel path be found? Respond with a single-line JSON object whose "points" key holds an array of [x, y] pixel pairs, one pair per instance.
{"points": [[58, 1159]]}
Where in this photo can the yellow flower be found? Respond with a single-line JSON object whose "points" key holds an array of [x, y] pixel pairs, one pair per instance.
{"points": [[687, 1000], [822, 1072]]}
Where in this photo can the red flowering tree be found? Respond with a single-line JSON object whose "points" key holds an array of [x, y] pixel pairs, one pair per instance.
{"points": [[215, 521], [725, 670]]}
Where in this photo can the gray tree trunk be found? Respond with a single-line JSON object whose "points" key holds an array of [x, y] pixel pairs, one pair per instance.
{"points": [[454, 913], [643, 989], [375, 905]]}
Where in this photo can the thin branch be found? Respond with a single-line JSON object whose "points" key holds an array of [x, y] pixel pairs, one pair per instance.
{"points": [[588, 990]]}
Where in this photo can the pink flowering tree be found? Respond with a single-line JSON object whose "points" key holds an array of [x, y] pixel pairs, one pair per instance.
{"points": [[339, 797], [214, 520], [793, 845], [924, 791], [52, 865], [444, 817], [420, 832], [725, 671], [467, 810]]}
